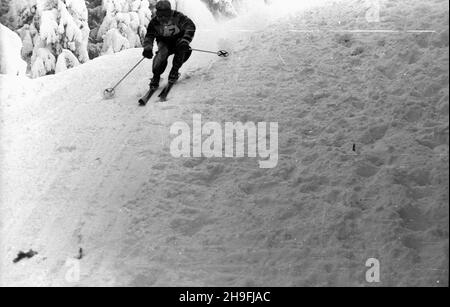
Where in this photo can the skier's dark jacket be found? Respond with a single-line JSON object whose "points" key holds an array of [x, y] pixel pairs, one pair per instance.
{"points": [[181, 28]]}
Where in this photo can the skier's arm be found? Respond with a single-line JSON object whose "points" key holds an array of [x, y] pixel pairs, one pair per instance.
{"points": [[188, 26], [150, 36]]}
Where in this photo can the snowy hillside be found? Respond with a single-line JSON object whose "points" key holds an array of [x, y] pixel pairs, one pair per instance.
{"points": [[90, 185]]}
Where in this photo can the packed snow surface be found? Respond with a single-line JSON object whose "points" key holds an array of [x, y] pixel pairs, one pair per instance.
{"points": [[90, 184]]}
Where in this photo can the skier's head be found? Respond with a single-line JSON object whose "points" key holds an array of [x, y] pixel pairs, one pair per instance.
{"points": [[164, 11]]}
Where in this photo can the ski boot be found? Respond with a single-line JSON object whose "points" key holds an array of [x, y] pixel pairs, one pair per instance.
{"points": [[154, 83], [174, 76]]}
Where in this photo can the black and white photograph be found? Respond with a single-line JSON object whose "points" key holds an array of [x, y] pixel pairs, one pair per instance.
{"points": [[247, 145]]}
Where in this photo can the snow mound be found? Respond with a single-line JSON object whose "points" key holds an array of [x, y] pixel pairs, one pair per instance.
{"points": [[48, 27]]}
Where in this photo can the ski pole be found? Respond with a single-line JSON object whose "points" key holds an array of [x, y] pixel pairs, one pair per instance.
{"points": [[110, 92], [221, 53]]}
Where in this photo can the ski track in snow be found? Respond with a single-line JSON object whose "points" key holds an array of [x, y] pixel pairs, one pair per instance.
{"points": [[82, 172]]}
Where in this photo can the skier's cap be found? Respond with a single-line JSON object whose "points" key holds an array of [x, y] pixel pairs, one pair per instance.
{"points": [[163, 8]]}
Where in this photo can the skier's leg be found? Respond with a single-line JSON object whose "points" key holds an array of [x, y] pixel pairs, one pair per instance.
{"points": [[181, 56], [159, 63]]}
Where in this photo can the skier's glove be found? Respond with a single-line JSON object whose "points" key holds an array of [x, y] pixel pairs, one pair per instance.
{"points": [[148, 53], [183, 44]]}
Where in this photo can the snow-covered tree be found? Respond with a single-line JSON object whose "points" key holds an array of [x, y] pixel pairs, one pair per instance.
{"points": [[222, 7], [43, 62], [124, 25], [21, 12], [49, 28], [10, 49]]}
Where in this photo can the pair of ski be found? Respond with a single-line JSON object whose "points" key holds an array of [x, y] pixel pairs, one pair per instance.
{"points": [[162, 96]]}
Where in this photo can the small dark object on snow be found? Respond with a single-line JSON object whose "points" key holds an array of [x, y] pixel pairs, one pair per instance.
{"points": [[345, 39], [80, 254], [354, 147], [22, 255]]}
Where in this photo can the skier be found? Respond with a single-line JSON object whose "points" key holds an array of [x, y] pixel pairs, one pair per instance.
{"points": [[173, 32]]}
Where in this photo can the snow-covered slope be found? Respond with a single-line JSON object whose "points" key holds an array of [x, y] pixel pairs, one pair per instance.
{"points": [[363, 170]]}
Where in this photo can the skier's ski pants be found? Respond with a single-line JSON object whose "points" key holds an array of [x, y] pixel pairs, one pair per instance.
{"points": [[164, 51]]}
